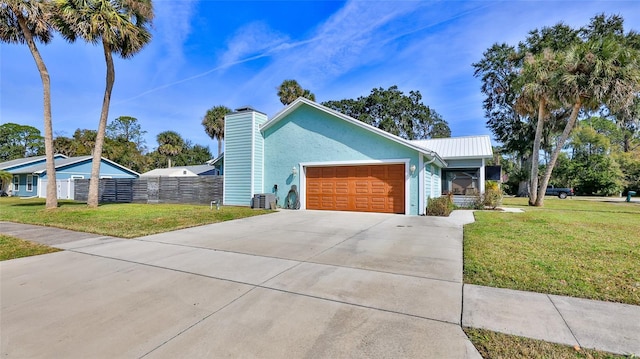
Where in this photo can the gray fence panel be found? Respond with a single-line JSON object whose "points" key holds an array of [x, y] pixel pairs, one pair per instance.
{"points": [[154, 189]]}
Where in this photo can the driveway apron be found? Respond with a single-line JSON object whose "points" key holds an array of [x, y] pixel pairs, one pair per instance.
{"points": [[287, 284]]}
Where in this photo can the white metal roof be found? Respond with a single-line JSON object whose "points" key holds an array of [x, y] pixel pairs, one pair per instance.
{"points": [[459, 147], [181, 171]]}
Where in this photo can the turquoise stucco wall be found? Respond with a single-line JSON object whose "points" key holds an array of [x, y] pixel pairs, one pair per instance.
{"points": [[310, 135]]}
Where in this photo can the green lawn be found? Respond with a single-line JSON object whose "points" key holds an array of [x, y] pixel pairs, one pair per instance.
{"points": [[502, 346], [128, 220], [575, 247], [11, 248]]}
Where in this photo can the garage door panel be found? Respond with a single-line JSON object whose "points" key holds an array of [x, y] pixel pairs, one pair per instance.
{"points": [[368, 188]]}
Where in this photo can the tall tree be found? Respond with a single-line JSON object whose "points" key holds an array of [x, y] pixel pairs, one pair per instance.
{"points": [[18, 141], [393, 111], [122, 26], [290, 90], [602, 70], [170, 144], [127, 129], [213, 123], [553, 76], [27, 22]]}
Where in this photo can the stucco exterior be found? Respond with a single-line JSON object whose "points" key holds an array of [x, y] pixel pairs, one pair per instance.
{"points": [[310, 137], [271, 156]]}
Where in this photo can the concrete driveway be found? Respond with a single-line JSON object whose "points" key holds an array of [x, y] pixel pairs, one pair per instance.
{"points": [[288, 284]]}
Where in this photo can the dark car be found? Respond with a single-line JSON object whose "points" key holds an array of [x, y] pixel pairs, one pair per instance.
{"points": [[560, 192]]}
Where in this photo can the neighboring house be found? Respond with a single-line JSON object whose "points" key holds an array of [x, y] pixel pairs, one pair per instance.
{"points": [[336, 162], [217, 163], [30, 174], [183, 171]]}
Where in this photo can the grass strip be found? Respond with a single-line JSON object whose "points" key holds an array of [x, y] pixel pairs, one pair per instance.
{"points": [[579, 248], [11, 247], [503, 346], [124, 220]]}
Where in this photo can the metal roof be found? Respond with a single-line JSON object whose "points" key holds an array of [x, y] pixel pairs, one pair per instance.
{"points": [[25, 161], [459, 147], [41, 167], [178, 171]]}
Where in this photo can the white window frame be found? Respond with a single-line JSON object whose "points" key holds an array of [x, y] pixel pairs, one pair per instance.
{"points": [[75, 177], [106, 177], [29, 183], [16, 183]]}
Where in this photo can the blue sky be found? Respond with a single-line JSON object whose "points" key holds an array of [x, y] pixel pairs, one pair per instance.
{"points": [[235, 53]]}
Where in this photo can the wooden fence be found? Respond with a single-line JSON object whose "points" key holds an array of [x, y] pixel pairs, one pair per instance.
{"points": [[154, 190]]}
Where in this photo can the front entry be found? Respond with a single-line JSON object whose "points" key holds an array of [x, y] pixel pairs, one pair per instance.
{"points": [[370, 188]]}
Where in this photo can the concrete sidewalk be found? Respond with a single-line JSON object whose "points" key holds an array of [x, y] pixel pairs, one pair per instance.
{"points": [[264, 275], [606, 326]]}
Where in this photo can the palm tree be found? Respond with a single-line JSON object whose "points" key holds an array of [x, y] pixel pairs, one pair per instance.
{"points": [[170, 144], [540, 78], [600, 71], [5, 180], [122, 26], [26, 22], [213, 123], [290, 90]]}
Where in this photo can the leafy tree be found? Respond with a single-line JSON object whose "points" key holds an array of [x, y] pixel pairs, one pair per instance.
{"points": [[122, 26], [170, 144], [192, 154], [213, 123], [18, 141], [27, 22], [127, 129], [393, 111], [559, 72], [290, 90], [64, 145]]}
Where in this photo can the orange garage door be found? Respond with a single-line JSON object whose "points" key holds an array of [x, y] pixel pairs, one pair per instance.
{"points": [[375, 188]]}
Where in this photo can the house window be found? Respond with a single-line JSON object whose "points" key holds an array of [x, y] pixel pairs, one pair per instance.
{"points": [[75, 177], [16, 183], [105, 177], [29, 183]]}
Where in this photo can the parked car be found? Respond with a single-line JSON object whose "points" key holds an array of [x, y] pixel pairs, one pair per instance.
{"points": [[560, 192]]}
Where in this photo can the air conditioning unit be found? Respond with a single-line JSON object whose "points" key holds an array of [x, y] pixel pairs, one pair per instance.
{"points": [[263, 200]]}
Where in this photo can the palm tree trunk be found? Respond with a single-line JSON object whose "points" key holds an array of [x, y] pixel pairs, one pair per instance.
{"points": [[52, 192], [219, 146], [535, 156], [556, 152], [94, 183]]}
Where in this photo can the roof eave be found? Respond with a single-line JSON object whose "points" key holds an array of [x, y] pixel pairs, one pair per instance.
{"points": [[301, 100]]}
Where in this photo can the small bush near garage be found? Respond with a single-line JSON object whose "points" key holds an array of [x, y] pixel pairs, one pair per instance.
{"points": [[440, 206]]}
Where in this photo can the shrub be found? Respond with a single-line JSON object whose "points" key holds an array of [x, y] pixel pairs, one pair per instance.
{"points": [[492, 195], [440, 206]]}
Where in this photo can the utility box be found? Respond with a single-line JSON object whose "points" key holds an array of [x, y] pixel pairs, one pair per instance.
{"points": [[263, 200]]}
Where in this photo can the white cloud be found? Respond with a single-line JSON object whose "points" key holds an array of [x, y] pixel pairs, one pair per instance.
{"points": [[172, 27]]}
